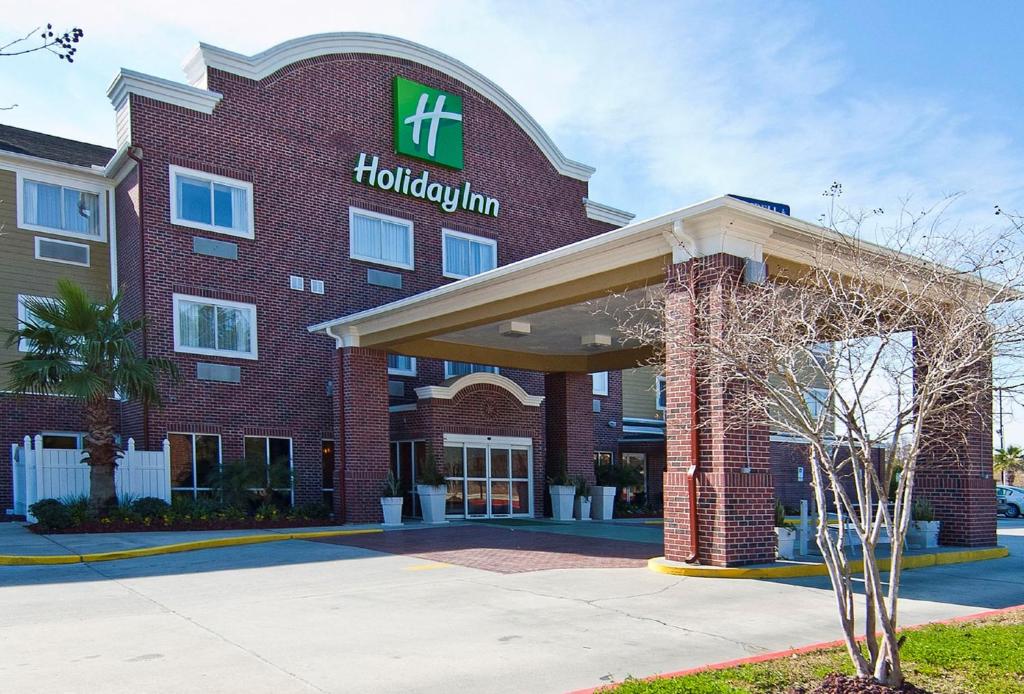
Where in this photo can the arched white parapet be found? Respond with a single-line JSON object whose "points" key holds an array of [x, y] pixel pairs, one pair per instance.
{"points": [[261, 65], [450, 391]]}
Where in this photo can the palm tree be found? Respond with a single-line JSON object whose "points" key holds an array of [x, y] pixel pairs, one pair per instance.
{"points": [[82, 349], [1008, 462]]}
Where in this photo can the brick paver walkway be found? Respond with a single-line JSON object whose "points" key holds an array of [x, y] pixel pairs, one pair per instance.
{"points": [[505, 550]]}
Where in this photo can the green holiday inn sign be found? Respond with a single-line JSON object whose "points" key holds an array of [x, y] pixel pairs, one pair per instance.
{"points": [[427, 125]]}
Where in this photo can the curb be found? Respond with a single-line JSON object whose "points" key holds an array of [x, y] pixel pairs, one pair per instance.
{"points": [[777, 655], [803, 570], [47, 559]]}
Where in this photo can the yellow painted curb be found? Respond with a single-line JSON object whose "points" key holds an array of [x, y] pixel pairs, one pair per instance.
{"points": [[42, 559], [913, 561]]}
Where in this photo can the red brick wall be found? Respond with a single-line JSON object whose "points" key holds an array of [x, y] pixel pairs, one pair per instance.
{"points": [[296, 135], [570, 424], [362, 438], [734, 483], [954, 470], [483, 410]]}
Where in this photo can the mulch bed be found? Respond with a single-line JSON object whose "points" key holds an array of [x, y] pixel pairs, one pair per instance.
{"points": [[123, 527], [847, 684]]}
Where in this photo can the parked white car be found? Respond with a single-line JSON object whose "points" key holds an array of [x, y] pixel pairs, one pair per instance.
{"points": [[1010, 499]]}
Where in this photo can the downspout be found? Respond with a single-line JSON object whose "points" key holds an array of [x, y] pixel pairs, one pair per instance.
{"points": [[135, 154]]}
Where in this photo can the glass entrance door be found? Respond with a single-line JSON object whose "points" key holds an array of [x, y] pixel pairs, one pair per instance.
{"points": [[488, 477]]}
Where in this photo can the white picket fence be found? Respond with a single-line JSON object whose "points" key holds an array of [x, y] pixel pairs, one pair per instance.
{"points": [[48, 473]]}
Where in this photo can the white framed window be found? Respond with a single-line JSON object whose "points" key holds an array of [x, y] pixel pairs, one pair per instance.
{"points": [[401, 365], [61, 206], [212, 203], [66, 252], [195, 459], [600, 381], [464, 255], [380, 238], [214, 327], [316, 286], [271, 450], [24, 316], [64, 440], [297, 283], [659, 386], [461, 368]]}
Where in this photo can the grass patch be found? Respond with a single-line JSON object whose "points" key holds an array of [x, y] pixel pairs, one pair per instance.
{"points": [[985, 656]]}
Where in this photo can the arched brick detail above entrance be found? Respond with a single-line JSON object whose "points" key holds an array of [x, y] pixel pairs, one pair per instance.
{"points": [[495, 382]]}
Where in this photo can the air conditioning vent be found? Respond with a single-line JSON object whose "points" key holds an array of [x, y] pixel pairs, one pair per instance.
{"points": [[62, 251]]}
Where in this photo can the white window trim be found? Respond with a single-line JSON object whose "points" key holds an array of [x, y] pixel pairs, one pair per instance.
{"points": [[291, 458], [404, 372], [448, 372], [659, 386], [600, 389], [67, 182], [88, 252], [178, 347], [352, 211], [220, 459], [79, 436], [23, 317], [247, 233], [470, 237]]}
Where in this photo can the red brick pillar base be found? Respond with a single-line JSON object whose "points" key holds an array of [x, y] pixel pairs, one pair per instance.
{"points": [[735, 496], [569, 403], [363, 434], [954, 468]]}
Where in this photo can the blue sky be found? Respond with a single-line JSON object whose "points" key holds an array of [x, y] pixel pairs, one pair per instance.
{"points": [[672, 102]]}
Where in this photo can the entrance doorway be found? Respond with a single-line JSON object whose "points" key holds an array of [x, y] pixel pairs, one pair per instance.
{"points": [[488, 476]]}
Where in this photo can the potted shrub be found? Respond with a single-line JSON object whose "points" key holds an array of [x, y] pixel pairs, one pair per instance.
{"points": [[923, 532], [391, 499], [562, 491], [432, 489], [603, 493], [786, 535], [581, 506]]}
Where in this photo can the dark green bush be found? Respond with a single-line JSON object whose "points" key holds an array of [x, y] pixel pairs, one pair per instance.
{"points": [[314, 511], [52, 514], [150, 506]]}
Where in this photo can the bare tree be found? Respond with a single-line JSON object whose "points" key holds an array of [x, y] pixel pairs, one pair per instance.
{"points": [[63, 45], [898, 340]]}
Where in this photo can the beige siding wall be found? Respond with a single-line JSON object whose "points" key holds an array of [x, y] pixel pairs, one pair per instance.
{"points": [[21, 273], [638, 393]]}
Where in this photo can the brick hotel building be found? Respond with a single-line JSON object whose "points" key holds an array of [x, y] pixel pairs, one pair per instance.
{"points": [[348, 320]]}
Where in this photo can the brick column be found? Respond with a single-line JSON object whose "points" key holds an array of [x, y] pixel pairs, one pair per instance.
{"points": [[363, 440], [954, 468], [735, 496], [569, 402]]}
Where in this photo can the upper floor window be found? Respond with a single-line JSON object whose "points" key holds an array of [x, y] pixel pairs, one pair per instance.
{"points": [[401, 365], [215, 327], [27, 317], [214, 203], [461, 368], [816, 400], [60, 208], [465, 255], [659, 401], [379, 238], [600, 380]]}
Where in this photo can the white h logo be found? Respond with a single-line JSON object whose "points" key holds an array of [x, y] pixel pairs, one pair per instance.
{"points": [[435, 116]]}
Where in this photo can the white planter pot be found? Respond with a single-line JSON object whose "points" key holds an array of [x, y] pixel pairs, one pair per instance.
{"points": [[923, 534], [561, 501], [786, 542], [602, 503], [432, 500], [392, 507], [581, 508]]}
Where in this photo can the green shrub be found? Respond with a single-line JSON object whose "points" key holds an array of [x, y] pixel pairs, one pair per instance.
{"points": [[390, 487], [428, 473], [313, 511], [78, 508], [150, 506], [51, 514], [780, 514], [923, 511], [582, 487]]}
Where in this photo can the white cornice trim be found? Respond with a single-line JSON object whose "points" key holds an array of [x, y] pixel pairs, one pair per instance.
{"points": [[607, 213], [262, 65], [130, 82], [481, 377]]}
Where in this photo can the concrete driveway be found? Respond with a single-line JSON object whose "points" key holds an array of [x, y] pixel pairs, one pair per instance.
{"points": [[310, 616]]}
